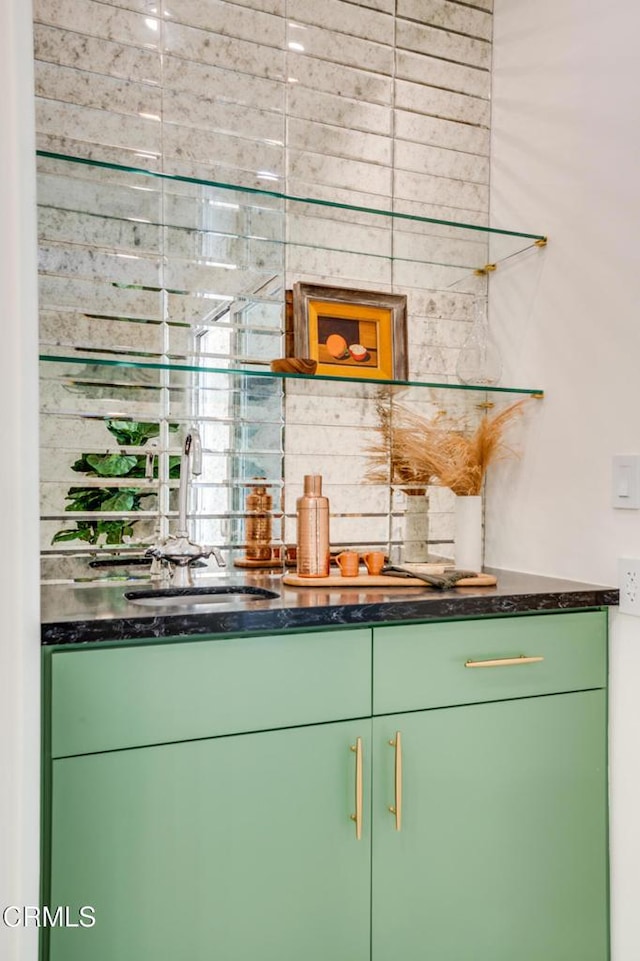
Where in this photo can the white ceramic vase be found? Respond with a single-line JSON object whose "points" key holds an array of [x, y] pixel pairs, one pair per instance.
{"points": [[468, 536], [415, 546]]}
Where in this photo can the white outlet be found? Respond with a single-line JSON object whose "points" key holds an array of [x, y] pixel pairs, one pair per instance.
{"points": [[629, 583]]}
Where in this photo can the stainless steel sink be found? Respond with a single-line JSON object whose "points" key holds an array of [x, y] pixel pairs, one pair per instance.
{"points": [[199, 597]]}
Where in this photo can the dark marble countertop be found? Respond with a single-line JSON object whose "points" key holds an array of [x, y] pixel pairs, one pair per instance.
{"points": [[93, 613]]}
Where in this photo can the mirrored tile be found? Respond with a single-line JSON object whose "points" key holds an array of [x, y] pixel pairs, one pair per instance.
{"points": [[339, 171], [337, 79], [133, 135], [228, 53], [341, 17], [442, 191], [100, 20], [87, 89], [460, 18], [339, 141], [102, 56], [441, 133], [442, 44], [438, 161], [209, 113], [326, 44], [227, 19], [339, 111], [209, 81], [442, 103], [432, 72]]}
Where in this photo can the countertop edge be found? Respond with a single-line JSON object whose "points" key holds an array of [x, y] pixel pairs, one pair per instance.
{"points": [[449, 604]]}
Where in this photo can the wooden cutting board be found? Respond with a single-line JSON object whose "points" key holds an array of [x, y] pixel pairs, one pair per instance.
{"points": [[380, 580], [249, 564]]}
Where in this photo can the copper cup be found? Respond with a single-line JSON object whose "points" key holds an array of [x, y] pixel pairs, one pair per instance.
{"points": [[349, 563], [374, 561]]}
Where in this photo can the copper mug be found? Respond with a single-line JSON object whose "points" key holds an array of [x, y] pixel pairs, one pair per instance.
{"points": [[374, 561], [349, 563]]}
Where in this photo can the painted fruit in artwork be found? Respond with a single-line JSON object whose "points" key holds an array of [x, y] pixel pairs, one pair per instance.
{"points": [[358, 352], [337, 346]]}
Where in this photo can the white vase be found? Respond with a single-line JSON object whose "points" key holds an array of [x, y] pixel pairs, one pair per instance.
{"points": [[415, 547], [468, 537]]}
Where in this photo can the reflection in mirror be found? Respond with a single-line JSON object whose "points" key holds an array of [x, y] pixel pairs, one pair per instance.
{"points": [[153, 289]]}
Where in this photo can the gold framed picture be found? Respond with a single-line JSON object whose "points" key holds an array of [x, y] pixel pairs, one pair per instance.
{"points": [[351, 333]]}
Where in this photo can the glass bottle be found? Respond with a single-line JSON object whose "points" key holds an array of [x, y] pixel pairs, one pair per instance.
{"points": [[258, 529], [479, 360]]}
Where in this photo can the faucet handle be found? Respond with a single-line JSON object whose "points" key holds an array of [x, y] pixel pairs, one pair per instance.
{"points": [[158, 569], [151, 454], [193, 446], [179, 553], [218, 556]]}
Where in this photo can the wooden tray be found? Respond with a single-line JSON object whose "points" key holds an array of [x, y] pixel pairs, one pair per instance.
{"points": [[380, 580], [248, 563]]}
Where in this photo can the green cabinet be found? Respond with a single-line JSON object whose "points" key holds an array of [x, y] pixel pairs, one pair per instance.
{"points": [[502, 851], [233, 848], [483, 741]]}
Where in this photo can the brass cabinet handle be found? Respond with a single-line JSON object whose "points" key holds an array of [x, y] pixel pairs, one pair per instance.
{"points": [[357, 817], [396, 808], [505, 661]]}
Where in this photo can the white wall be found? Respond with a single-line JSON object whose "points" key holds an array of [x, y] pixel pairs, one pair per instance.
{"points": [[565, 143], [19, 591]]}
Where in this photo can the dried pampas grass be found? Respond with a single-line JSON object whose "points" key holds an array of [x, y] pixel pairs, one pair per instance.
{"points": [[413, 450]]}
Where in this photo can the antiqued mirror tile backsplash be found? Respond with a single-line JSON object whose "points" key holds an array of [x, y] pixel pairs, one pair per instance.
{"points": [[374, 105]]}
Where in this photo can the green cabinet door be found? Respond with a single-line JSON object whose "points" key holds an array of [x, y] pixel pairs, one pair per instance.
{"points": [[237, 848], [502, 852]]}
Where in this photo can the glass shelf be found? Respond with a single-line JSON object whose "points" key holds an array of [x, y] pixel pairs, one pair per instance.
{"points": [[260, 194], [278, 375], [163, 300], [178, 241]]}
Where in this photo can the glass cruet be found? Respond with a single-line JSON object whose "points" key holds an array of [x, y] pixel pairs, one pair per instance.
{"points": [[479, 360]]}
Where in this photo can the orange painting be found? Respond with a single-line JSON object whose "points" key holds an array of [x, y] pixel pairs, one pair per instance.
{"points": [[351, 333]]}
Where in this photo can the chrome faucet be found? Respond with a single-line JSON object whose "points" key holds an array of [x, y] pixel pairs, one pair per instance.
{"points": [[178, 549], [190, 466]]}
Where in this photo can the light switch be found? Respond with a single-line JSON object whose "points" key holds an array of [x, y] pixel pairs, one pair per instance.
{"points": [[626, 481], [623, 481]]}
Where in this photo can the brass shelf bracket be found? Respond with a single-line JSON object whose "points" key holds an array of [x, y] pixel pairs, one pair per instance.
{"points": [[487, 269]]}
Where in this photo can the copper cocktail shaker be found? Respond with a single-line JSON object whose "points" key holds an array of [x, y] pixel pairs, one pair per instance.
{"points": [[312, 556]]}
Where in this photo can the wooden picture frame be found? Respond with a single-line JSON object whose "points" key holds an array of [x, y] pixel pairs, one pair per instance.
{"points": [[351, 333]]}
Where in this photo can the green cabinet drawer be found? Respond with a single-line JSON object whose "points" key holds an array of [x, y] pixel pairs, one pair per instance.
{"points": [[155, 693], [434, 665]]}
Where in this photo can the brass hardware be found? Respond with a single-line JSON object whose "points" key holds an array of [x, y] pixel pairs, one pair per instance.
{"points": [[505, 661], [357, 817], [487, 269], [538, 395], [486, 405], [542, 242], [396, 808]]}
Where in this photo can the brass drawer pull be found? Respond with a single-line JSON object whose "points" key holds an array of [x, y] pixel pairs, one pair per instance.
{"points": [[357, 817], [505, 661], [396, 808]]}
